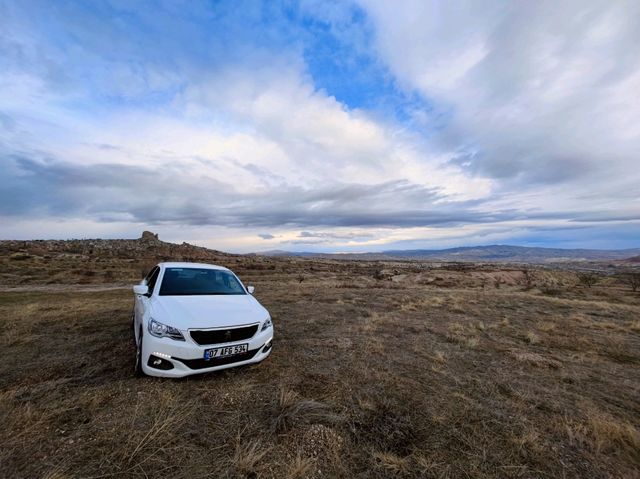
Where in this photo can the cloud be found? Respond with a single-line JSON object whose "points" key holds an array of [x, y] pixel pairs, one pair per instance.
{"points": [[344, 125], [334, 235], [531, 93], [176, 194]]}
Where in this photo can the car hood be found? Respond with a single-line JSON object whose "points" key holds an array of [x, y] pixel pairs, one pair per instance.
{"points": [[218, 311]]}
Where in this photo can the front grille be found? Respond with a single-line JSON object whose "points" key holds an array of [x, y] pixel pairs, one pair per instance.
{"points": [[216, 336], [202, 363]]}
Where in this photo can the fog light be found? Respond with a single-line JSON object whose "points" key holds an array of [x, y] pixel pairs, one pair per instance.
{"points": [[267, 347], [159, 363]]}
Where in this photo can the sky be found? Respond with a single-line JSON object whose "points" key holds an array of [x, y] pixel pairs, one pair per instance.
{"points": [[322, 126]]}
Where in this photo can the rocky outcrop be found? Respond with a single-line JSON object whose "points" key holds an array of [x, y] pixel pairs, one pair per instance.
{"points": [[149, 236]]}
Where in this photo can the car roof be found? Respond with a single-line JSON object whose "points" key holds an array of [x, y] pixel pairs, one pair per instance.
{"points": [[191, 265]]}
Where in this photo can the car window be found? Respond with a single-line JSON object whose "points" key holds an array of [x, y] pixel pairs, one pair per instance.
{"points": [[199, 281], [149, 274], [151, 282]]}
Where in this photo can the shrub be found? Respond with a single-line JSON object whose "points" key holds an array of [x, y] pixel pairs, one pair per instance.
{"points": [[588, 279], [632, 278], [551, 287], [527, 279]]}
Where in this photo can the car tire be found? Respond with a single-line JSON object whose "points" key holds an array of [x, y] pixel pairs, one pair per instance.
{"points": [[138, 366]]}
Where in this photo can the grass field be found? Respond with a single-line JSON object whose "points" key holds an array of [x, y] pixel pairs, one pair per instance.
{"points": [[410, 372]]}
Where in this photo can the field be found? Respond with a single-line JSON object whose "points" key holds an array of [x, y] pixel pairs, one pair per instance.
{"points": [[378, 370]]}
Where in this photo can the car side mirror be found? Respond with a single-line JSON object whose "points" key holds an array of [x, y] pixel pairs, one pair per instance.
{"points": [[251, 289], [140, 289]]}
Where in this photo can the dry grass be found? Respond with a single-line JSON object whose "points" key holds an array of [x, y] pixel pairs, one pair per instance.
{"points": [[605, 434], [391, 463], [422, 373], [300, 468], [611, 434], [291, 410], [247, 456]]}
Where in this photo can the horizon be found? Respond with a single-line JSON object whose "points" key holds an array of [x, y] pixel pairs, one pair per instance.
{"points": [[381, 251], [322, 127]]}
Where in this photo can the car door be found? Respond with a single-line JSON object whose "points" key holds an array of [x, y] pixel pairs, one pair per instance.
{"points": [[142, 300]]}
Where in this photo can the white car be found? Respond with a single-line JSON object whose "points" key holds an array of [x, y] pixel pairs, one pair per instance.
{"points": [[192, 318]]}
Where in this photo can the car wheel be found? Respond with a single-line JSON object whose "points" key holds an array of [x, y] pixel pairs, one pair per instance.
{"points": [[138, 367]]}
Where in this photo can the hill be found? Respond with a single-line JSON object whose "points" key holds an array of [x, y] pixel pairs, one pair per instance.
{"points": [[491, 253], [95, 261]]}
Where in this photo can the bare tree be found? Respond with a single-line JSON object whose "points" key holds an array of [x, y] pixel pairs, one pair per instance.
{"points": [[588, 278], [632, 278], [527, 278]]}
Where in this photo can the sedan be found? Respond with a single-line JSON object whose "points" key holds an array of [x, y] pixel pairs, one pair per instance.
{"points": [[192, 318]]}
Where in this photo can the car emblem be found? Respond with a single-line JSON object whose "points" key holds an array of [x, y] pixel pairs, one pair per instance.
{"points": [[227, 334]]}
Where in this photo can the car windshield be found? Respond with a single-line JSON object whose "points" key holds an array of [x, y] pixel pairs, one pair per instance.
{"points": [[199, 281]]}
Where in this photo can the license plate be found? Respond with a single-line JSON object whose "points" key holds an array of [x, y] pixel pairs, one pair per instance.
{"points": [[226, 351]]}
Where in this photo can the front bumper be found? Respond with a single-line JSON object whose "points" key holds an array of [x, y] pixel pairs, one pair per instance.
{"points": [[184, 358]]}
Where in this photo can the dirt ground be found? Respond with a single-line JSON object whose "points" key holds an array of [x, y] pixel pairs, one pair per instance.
{"points": [[378, 370]]}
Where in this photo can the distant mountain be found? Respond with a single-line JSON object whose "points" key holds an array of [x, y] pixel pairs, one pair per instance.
{"points": [[634, 259], [491, 253]]}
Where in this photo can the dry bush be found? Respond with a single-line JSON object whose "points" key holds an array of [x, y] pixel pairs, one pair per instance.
{"points": [[609, 433], [588, 278], [551, 287], [300, 468], [380, 274], [532, 338], [547, 326], [391, 463], [632, 278], [289, 409], [157, 438], [439, 357], [528, 440], [247, 456], [605, 434], [527, 279], [429, 466], [537, 360], [383, 424], [472, 342]]}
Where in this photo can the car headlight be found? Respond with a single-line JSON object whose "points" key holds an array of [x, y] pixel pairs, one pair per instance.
{"points": [[159, 330], [266, 324]]}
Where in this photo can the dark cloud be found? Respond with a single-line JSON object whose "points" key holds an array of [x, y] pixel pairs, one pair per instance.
{"points": [[40, 186]]}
